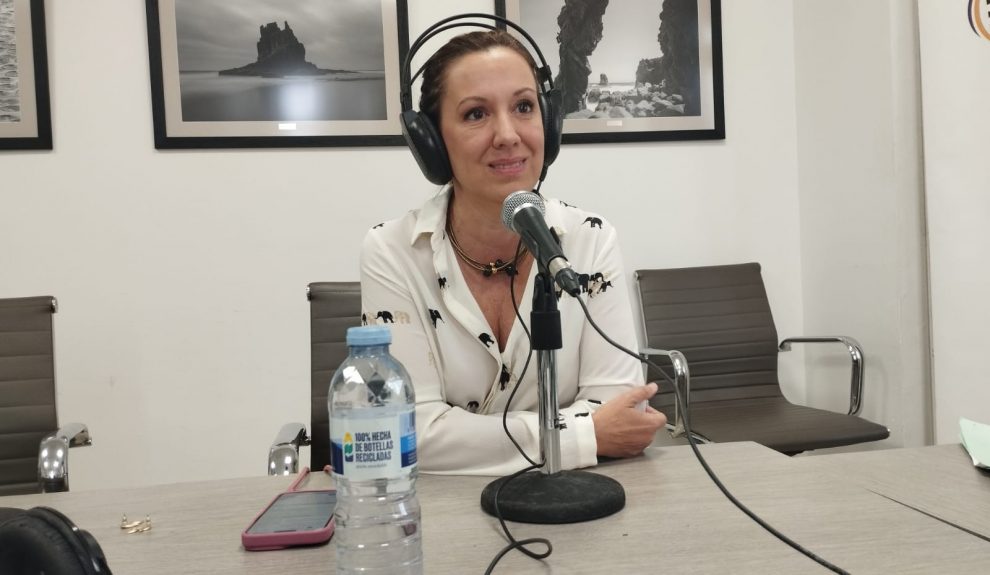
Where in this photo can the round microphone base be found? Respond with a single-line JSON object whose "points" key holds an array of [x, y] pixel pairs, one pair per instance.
{"points": [[564, 497]]}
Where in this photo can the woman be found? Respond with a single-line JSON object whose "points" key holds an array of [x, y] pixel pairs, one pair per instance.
{"points": [[440, 276]]}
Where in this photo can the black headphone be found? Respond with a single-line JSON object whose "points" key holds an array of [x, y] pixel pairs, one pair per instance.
{"points": [[423, 137], [43, 540]]}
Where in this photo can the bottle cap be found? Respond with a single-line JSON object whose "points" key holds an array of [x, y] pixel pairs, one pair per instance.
{"points": [[368, 335]]}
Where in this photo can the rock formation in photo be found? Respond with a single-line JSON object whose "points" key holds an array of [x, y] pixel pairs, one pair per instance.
{"points": [[580, 23], [280, 54], [678, 69]]}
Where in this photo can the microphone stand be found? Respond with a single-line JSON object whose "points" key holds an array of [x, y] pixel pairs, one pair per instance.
{"points": [[549, 495]]}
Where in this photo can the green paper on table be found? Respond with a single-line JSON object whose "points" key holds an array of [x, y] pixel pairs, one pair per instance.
{"points": [[975, 438]]}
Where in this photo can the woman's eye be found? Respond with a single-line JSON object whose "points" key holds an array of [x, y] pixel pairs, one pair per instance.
{"points": [[525, 107], [474, 114]]}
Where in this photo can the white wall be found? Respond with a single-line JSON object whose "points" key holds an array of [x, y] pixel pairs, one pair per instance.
{"points": [[954, 63], [861, 214], [183, 335]]}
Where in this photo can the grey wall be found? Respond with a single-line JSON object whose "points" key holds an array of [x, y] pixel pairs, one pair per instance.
{"points": [[862, 206]]}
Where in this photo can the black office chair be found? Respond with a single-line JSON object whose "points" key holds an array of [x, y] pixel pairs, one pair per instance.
{"points": [[333, 307], [34, 451], [719, 318]]}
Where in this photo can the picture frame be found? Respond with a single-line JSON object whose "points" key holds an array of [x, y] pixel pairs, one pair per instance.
{"points": [[652, 96], [25, 104], [269, 73]]}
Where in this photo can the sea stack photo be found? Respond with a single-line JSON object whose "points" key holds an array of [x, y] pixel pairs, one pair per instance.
{"points": [[264, 60]]}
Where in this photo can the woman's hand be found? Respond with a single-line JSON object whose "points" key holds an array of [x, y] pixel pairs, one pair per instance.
{"points": [[621, 429]]}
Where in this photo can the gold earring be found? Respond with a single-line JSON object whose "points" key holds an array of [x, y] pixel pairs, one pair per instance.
{"points": [[136, 526]]}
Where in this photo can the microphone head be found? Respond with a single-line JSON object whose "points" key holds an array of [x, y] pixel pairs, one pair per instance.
{"points": [[517, 201]]}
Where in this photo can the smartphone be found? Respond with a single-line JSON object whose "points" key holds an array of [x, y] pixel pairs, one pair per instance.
{"points": [[292, 518]]}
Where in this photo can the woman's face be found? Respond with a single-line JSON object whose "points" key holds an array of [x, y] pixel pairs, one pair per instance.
{"points": [[491, 124]]}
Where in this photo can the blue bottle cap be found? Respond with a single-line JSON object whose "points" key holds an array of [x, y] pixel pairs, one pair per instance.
{"points": [[368, 335]]}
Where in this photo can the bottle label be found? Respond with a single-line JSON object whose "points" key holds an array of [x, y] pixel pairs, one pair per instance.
{"points": [[373, 448]]}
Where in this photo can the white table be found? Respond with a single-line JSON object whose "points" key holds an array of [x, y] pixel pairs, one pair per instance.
{"points": [[939, 480], [675, 521]]}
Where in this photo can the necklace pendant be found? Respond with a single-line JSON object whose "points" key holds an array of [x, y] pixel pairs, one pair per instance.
{"points": [[489, 270]]}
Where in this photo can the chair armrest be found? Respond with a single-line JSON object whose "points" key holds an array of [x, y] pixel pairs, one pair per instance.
{"points": [[283, 456], [856, 357], [682, 376], [53, 456]]}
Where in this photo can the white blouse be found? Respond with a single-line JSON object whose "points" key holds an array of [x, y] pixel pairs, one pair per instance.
{"points": [[411, 281]]}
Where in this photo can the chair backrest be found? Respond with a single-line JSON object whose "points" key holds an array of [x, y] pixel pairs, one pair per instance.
{"points": [[27, 389], [333, 307], [719, 318]]}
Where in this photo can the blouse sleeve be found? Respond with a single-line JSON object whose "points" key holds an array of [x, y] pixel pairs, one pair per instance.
{"points": [[605, 370]]}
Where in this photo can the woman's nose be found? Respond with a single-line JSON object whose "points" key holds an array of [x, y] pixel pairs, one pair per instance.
{"points": [[506, 132]]}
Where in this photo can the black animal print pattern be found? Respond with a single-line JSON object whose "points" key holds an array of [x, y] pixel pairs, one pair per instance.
{"points": [[435, 316], [504, 378], [593, 284]]}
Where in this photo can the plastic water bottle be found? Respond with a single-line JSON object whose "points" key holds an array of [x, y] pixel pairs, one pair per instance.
{"points": [[373, 453]]}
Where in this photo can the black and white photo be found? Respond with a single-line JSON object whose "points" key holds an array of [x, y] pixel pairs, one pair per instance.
{"points": [[25, 115], [10, 97], [273, 73], [631, 70]]}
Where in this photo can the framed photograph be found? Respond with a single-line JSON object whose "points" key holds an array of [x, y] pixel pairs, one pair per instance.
{"points": [[25, 108], [272, 73], [631, 71]]}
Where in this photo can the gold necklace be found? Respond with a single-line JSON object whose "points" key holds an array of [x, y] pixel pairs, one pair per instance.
{"points": [[489, 269]]}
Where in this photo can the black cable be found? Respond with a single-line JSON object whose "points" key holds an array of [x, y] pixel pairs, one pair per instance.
{"points": [[687, 427], [519, 378], [513, 542]]}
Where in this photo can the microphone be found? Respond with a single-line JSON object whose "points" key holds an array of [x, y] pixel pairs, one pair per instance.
{"points": [[522, 212]]}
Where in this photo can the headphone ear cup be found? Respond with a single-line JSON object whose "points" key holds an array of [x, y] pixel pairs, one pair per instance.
{"points": [[37, 541], [553, 125], [95, 551], [427, 146]]}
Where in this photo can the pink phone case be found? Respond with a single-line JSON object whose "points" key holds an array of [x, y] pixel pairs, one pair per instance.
{"points": [[271, 541]]}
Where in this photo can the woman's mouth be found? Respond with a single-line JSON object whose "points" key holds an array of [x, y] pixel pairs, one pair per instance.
{"points": [[511, 166]]}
